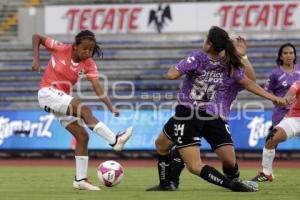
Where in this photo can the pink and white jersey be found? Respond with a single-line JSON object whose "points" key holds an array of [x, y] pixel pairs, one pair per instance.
{"points": [[62, 72], [295, 108]]}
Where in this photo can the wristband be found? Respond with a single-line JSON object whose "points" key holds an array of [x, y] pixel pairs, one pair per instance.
{"points": [[244, 57]]}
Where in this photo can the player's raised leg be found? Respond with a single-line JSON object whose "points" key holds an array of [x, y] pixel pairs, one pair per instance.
{"points": [[117, 141]]}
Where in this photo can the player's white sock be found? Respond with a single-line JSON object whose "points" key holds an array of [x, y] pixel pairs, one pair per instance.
{"points": [[102, 130], [81, 167], [267, 160]]}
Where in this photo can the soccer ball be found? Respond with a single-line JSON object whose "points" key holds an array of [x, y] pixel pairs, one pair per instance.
{"points": [[110, 173]]}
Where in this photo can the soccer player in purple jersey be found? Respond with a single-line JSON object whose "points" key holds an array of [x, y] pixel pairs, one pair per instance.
{"points": [[278, 83], [213, 78], [229, 163]]}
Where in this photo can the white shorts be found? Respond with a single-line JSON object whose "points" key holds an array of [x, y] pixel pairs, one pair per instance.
{"points": [[56, 102], [291, 126]]}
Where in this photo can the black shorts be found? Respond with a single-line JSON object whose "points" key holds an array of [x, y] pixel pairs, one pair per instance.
{"points": [[188, 126]]}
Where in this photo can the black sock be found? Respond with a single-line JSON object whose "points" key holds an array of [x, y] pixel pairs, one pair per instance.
{"points": [[177, 166], [213, 176], [232, 173], [164, 168]]}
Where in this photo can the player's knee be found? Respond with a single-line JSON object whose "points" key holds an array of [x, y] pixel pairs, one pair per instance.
{"points": [[157, 143], [85, 111], [160, 147]]}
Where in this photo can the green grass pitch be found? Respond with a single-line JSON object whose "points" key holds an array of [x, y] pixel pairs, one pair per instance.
{"points": [[47, 183]]}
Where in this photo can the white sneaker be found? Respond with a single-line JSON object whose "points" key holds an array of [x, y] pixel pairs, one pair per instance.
{"points": [[84, 185], [122, 139]]}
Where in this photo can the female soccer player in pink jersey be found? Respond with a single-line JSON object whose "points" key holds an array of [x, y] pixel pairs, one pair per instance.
{"points": [[62, 72], [288, 127]]}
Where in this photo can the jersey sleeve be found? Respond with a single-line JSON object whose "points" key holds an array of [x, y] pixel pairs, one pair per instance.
{"points": [[54, 45], [239, 74], [269, 85], [191, 63], [91, 71]]}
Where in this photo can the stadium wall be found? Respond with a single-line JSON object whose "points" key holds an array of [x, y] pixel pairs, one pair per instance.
{"points": [[38, 130], [167, 21]]}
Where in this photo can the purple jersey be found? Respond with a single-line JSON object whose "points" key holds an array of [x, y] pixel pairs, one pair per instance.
{"points": [[278, 83], [208, 85]]}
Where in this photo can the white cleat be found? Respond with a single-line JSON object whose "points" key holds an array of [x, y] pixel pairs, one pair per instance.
{"points": [[122, 138], [85, 185]]}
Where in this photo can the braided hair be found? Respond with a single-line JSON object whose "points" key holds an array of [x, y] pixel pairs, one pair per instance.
{"points": [[87, 34]]}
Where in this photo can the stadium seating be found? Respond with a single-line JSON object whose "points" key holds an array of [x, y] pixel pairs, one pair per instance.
{"points": [[135, 69]]}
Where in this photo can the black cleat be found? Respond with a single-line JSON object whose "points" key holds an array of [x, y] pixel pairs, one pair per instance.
{"points": [[170, 187], [239, 185]]}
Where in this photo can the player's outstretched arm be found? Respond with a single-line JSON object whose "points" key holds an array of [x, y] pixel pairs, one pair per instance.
{"points": [[255, 89], [103, 97], [37, 40]]}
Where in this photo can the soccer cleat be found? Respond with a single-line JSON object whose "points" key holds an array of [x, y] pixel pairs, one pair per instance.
{"points": [[262, 177], [239, 185], [122, 139], [84, 184], [252, 184], [174, 184], [162, 188]]}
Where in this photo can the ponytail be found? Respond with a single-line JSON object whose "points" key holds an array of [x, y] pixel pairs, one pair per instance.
{"points": [[232, 59], [220, 41]]}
